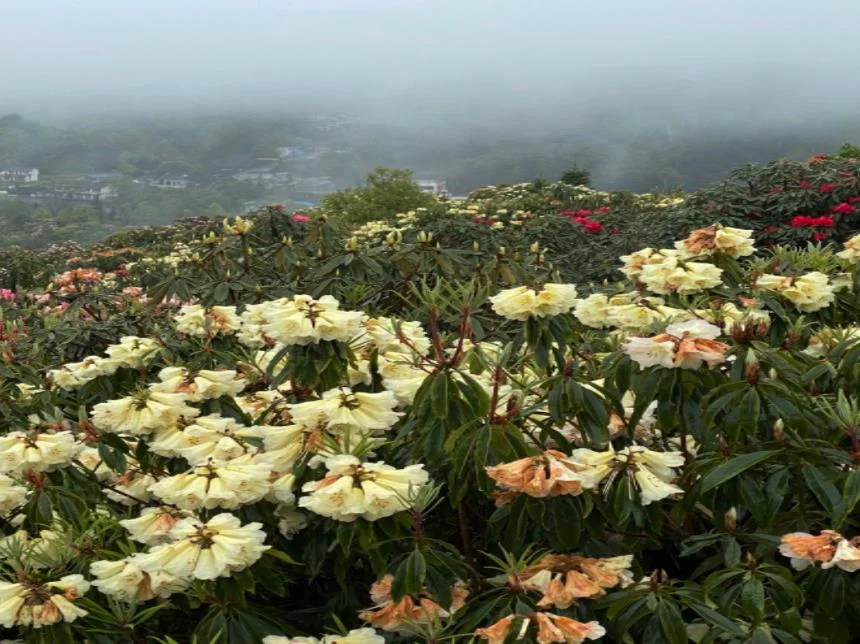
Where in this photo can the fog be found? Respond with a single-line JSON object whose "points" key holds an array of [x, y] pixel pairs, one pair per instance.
{"points": [[536, 63]]}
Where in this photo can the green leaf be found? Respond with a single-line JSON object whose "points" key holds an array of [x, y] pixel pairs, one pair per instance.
{"points": [[752, 599], [671, 623], [733, 467], [823, 489], [717, 619]]}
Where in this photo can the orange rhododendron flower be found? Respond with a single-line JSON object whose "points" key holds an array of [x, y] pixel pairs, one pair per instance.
{"points": [[393, 616], [554, 628], [539, 476], [498, 632]]}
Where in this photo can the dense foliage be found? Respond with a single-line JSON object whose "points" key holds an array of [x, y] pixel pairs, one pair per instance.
{"points": [[486, 419]]}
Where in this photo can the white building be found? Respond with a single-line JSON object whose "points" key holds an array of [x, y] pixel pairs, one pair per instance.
{"points": [[176, 182], [14, 176], [436, 187]]}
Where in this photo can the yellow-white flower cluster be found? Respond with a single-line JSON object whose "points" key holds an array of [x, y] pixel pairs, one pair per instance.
{"points": [[355, 636], [300, 320], [199, 321], [186, 550], [12, 495], [808, 292], [35, 451], [131, 352], [851, 250], [353, 489], [522, 302], [653, 472], [41, 604], [666, 271]]}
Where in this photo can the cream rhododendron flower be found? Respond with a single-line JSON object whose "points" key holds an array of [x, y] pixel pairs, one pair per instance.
{"points": [[12, 495], [133, 352], [141, 413], [685, 345], [810, 292], [734, 242], [635, 262], [154, 524], [851, 250], [124, 580], [387, 336], [90, 458], [290, 520], [196, 320], [652, 472], [674, 275], [355, 636], [304, 320], [73, 375], [593, 310], [214, 437], [198, 550], [265, 402], [36, 451], [650, 352], [41, 604], [199, 385], [353, 489], [282, 445], [522, 302], [131, 487], [217, 484], [342, 406], [401, 377]]}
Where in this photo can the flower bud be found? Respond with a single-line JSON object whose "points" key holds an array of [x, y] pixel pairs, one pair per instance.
{"points": [[502, 251], [779, 429], [751, 367], [535, 247], [476, 246], [352, 245], [730, 520]]}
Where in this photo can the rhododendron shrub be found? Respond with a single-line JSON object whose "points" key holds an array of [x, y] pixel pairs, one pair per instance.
{"points": [[284, 432]]}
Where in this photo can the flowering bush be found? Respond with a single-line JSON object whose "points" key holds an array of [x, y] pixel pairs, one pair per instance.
{"points": [[283, 431]]}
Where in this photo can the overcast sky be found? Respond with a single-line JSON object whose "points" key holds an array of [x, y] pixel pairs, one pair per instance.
{"points": [[773, 57]]}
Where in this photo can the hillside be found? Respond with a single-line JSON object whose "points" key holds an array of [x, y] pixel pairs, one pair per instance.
{"points": [[542, 413]]}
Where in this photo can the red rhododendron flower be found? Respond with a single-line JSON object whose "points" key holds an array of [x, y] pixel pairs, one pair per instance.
{"points": [[566, 213], [843, 209], [583, 213], [853, 199], [819, 236], [770, 229], [804, 185], [593, 226], [604, 209], [616, 231], [300, 218], [828, 187], [805, 221]]}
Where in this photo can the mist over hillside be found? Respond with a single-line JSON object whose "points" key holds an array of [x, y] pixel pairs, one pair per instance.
{"points": [[236, 104]]}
